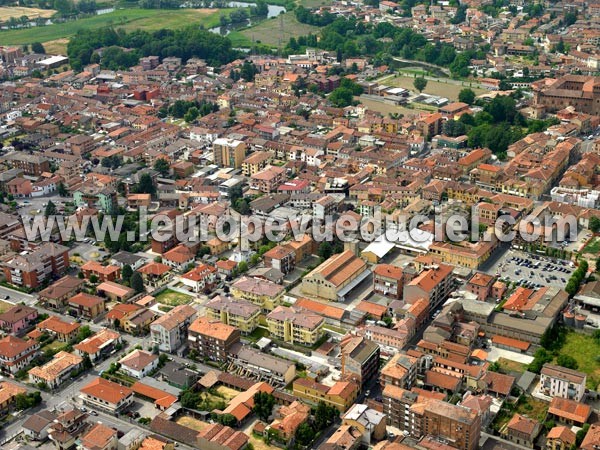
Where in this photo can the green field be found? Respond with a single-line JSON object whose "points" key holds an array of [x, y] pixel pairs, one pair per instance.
{"points": [[593, 246], [173, 298], [586, 351], [269, 32], [127, 19], [444, 88]]}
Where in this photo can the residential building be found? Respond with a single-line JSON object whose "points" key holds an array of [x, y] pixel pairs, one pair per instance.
{"points": [[268, 179], [388, 280], [341, 395], [336, 277], [263, 293], [287, 421], [37, 425], [560, 438], [200, 278], [557, 381], [400, 370], [370, 422], [360, 359], [169, 332], [16, 354], [56, 327], [17, 318], [434, 284], [238, 313], [56, 371], [139, 363], [86, 305], [106, 396], [100, 437], [578, 91], [569, 412], [212, 339], [32, 268], [56, 295], [451, 423], [281, 257], [295, 325], [102, 273], [591, 441], [229, 152], [220, 437], [8, 394], [99, 345], [521, 430]]}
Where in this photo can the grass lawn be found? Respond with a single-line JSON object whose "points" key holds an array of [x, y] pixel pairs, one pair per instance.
{"points": [[259, 444], [527, 406], [593, 246], [5, 306], [440, 88], [192, 423], [173, 298], [227, 393], [258, 333], [586, 351], [268, 31], [508, 365], [127, 19], [55, 345]]}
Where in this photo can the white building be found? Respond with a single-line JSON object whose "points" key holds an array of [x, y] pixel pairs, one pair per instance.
{"points": [[557, 381], [139, 363]]}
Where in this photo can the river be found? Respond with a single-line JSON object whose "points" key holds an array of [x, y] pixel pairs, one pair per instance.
{"points": [[274, 11]]}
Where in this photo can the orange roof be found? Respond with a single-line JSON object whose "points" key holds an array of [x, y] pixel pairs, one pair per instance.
{"points": [[98, 437], [94, 266], [154, 268], [320, 308], [86, 300], [389, 271], [510, 342], [372, 308], [212, 328], [106, 390], [56, 325], [570, 409], [161, 398]]}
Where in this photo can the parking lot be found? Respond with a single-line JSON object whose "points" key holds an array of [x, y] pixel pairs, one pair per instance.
{"points": [[532, 270]]}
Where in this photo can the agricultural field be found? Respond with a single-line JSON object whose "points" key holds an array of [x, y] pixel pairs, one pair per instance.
{"points": [[126, 19], [269, 32], [6, 12], [173, 298], [449, 89]]}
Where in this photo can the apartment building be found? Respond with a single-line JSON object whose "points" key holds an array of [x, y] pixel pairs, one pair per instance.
{"points": [[388, 280], [281, 257], [86, 305], [268, 179], [434, 283], [341, 395], [263, 293], [360, 360], [295, 325], [522, 430], [102, 273], [56, 371], [99, 345], [400, 370], [229, 152], [557, 381], [32, 268], [256, 162], [34, 165], [212, 339], [58, 293], [238, 313], [169, 332], [456, 424]]}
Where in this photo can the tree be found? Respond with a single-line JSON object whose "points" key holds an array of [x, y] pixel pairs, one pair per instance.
{"points": [[145, 186], [263, 405], [62, 190], [466, 96], [37, 47], [594, 224], [162, 166], [567, 361], [84, 332], [87, 362], [305, 434], [420, 84], [243, 267], [50, 209], [136, 282], [341, 97], [324, 415], [126, 273], [191, 114], [93, 279], [325, 250]]}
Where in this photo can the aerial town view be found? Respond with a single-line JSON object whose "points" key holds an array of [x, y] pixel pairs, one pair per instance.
{"points": [[299, 224]]}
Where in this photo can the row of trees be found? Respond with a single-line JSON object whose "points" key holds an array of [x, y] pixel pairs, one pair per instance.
{"points": [[184, 43]]}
